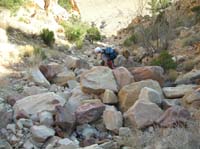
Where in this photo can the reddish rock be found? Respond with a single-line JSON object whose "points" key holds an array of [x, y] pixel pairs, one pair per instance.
{"points": [[174, 116], [50, 70], [12, 99], [89, 112], [65, 119], [148, 72], [123, 76]]}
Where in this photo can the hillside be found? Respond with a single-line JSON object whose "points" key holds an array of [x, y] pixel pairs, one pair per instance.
{"points": [[54, 93]]}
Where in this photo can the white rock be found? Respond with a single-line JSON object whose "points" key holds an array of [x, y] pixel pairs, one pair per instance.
{"points": [[46, 118]]}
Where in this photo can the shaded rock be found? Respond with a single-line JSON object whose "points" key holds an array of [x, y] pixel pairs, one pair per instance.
{"points": [[66, 144], [148, 72], [125, 132], [120, 61], [151, 95], [123, 76], [189, 78], [174, 116], [12, 99], [112, 118], [87, 131], [97, 79], [46, 118], [63, 77], [109, 145], [178, 91], [109, 97], [167, 103], [41, 133], [6, 114], [65, 119], [142, 114], [38, 103], [89, 112], [33, 90], [37, 77], [130, 93], [51, 70], [75, 62]]}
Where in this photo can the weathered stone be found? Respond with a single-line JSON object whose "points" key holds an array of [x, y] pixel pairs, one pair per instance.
{"points": [[192, 99], [37, 77], [63, 77], [72, 84], [123, 76], [89, 112], [125, 132], [109, 97], [11, 99], [120, 61], [29, 145], [33, 90], [178, 91], [142, 114], [97, 79], [46, 118], [75, 62], [66, 144], [87, 131], [6, 114], [5, 145], [109, 145], [151, 95], [12, 128], [189, 78], [112, 118], [65, 119], [130, 93], [37, 103], [21, 123], [174, 116], [41, 133], [148, 72], [51, 70], [94, 146]]}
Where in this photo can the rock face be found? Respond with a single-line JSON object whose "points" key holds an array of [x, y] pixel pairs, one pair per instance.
{"points": [[65, 119], [148, 72], [41, 133], [6, 114], [97, 79], [109, 97], [37, 103], [130, 93], [38, 77], [174, 116], [189, 78], [89, 112], [123, 76], [142, 114], [112, 118], [151, 95]]}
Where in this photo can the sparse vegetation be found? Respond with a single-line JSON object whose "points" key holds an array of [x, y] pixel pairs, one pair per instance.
{"points": [[93, 34], [172, 75], [164, 60], [130, 40], [48, 37], [65, 4], [11, 4]]}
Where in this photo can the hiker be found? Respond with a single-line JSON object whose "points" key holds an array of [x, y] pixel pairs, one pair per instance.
{"points": [[108, 55]]}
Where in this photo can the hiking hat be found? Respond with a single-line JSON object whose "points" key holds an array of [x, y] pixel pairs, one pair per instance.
{"points": [[98, 50]]}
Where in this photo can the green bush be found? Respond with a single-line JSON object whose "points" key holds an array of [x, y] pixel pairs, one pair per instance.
{"points": [[93, 34], [164, 60], [65, 4], [47, 36], [130, 40], [11, 4]]}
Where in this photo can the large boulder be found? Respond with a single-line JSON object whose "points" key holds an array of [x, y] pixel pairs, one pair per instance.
{"points": [[37, 77], [50, 70], [112, 118], [97, 79], [123, 76], [41, 133], [89, 112], [73, 62], [142, 114], [189, 78], [174, 116], [130, 93], [192, 99], [6, 113], [148, 72], [178, 91], [38, 103]]}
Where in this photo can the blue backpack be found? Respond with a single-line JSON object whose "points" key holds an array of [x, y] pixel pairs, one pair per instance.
{"points": [[111, 53]]}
